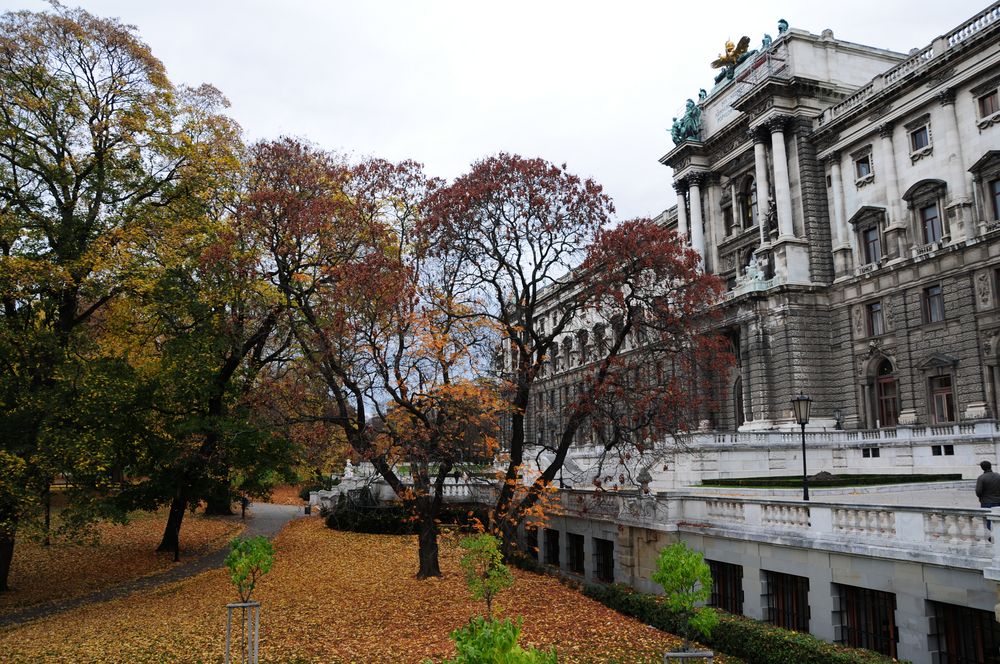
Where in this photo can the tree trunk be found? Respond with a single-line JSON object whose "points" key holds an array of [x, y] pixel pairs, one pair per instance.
{"points": [[172, 533], [6, 556], [428, 548]]}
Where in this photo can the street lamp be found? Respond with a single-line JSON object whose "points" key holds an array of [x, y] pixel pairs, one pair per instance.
{"points": [[801, 405]]}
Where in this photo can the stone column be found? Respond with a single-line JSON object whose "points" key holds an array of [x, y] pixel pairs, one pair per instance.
{"points": [[782, 188], [958, 186], [895, 231], [697, 227], [763, 185], [682, 217], [735, 202]]}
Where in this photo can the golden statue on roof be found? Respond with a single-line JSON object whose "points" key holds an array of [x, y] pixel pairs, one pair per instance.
{"points": [[734, 55]]}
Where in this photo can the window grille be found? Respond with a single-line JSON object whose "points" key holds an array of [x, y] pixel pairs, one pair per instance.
{"points": [[867, 619]]}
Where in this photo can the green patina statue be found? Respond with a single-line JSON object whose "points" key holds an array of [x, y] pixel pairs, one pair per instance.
{"points": [[689, 126]]}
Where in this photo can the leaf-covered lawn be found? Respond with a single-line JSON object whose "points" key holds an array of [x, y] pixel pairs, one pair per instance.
{"points": [[123, 552], [332, 597]]}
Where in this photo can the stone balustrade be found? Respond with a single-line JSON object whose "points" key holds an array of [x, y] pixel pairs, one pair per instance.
{"points": [[935, 535], [915, 63]]}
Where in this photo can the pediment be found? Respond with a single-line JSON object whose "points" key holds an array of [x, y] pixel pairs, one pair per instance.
{"points": [[989, 161], [867, 213], [938, 361]]}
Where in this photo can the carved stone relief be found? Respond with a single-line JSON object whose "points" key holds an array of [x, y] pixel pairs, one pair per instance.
{"points": [[984, 291], [858, 318]]}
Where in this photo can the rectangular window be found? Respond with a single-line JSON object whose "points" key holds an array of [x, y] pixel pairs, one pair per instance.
{"points": [[994, 196], [870, 452], [574, 553], [867, 619], [872, 245], [876, 323], [531, 541], [863, 167], [931, 223], [786, 600], [942, 400], [963, 635], [727, 587], [989, 104], [919, 139], [933, 304], [604, 560], [942, 450], [552, 547]]}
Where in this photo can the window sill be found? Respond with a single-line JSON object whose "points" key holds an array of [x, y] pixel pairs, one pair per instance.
{"points": [[989, 121], [934, 325], [917, 155]]}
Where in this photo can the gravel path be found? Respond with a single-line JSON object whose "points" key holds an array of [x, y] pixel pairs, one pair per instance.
{"points": [[263, 519]]}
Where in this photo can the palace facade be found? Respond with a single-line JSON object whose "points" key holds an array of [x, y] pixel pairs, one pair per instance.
{"points": [[849, 196]]}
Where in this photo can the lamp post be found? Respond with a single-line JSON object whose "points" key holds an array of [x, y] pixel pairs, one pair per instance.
{"points": [[801, 405]]}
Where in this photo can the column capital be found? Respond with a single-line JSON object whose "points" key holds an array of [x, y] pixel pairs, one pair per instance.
{"points": [[946, 97], [833, 158], [697, 178], [777, 123], [885, 129], [680, 186], [758, 135]]}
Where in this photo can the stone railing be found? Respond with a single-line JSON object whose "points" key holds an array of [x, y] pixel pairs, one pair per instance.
{"points": [[915, 63], [936, 535], [985, 429], [956, 537]]}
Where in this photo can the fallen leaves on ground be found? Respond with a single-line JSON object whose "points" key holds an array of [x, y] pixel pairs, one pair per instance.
{"points": [[333, 597], [123, 552], [286, 494]]}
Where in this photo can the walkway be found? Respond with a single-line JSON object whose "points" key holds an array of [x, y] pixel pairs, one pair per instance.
{"points": [[264, 519]]}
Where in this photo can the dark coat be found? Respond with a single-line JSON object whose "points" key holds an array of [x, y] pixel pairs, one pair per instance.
{"points": [[988, 488]]}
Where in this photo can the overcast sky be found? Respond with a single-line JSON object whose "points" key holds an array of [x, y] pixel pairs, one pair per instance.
{"points": [[592, 84]]}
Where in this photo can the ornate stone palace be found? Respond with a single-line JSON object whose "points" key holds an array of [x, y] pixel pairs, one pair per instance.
{"points": [[849, 196]]}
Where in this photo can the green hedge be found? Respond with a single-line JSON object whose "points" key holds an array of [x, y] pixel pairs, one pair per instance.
{"points": [[752, 641], [394, 519], [793, 482]]}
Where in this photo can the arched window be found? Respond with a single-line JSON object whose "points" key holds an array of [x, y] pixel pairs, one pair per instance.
{"points": [[886, 395], [925, 200]]}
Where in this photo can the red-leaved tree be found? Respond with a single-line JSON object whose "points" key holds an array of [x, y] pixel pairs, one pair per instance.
{"points": [[532, 250]]}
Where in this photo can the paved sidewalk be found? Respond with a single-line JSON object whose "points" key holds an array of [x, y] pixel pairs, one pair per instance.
{"points": [[263, 519]]}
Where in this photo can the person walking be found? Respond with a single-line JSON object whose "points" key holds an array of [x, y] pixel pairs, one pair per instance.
{"points": [[988, 488]]}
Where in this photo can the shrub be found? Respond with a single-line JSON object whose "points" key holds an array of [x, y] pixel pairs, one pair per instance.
{"points": [[754, 642], [686, 580], [248, 560], [491, 641], [394, 519], [485, 573]]}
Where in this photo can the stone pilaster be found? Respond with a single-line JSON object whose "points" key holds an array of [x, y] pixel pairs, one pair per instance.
{"points": [[959, 201], [895, 231], [843, 263]]}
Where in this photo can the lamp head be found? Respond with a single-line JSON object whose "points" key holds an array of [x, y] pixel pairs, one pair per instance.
{"points": [[800, 406]]}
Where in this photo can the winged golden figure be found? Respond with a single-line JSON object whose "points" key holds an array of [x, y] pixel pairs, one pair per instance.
{"points": [[732, 55]]}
